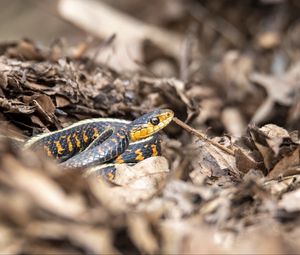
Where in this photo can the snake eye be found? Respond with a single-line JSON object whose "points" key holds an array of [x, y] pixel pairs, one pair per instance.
{"points": [[154, 121]]}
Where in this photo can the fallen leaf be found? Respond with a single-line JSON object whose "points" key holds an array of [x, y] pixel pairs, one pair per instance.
{"points": [[273, 143], [286, 166], [290, 201], [142, 236], [44, 192], [244, 162]]}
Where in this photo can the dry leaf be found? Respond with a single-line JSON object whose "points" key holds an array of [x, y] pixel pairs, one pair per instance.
{"points": [[287, 165], [290, 201]]}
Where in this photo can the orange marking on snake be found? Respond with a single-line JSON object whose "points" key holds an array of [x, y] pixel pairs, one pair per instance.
{"points": [[154, 150], [85, 137], [119, 160], [49, 152], [78, 143], [59, 148], [70, 145], [96, 133], [110, 176], [139, 156]]}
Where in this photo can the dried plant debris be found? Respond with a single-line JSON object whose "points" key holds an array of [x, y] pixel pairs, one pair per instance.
{"points": [[228, 179], [279, 150], [225, 189]]}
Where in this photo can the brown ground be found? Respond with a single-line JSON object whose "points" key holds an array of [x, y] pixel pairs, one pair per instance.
{"points": [[229, 69]]}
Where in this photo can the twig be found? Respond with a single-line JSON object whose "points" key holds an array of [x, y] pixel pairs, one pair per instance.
{"points": [[202, 136]]}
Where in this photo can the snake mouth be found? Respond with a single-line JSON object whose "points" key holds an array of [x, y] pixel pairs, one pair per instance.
{"points": [[154, 122]]}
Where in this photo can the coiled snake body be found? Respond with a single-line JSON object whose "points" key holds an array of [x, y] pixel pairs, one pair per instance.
{"points": [[104, 141]]}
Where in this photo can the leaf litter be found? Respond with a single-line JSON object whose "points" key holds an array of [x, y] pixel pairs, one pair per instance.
{"points": [[228, 180]]}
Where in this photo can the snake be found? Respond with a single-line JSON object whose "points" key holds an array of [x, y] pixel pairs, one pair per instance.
{"points": [[104, 141]]}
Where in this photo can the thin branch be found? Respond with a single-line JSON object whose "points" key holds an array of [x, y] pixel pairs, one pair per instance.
{"points": [[202, 136]]}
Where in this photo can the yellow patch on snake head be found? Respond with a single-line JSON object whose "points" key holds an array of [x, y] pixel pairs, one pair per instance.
{"points": [[150, 123], [144, 132]]}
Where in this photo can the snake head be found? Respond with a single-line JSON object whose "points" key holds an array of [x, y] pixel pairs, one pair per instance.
{"points": [[150, 123]]}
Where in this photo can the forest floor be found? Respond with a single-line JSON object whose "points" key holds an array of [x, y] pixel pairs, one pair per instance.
{"points": [[226, 183]]}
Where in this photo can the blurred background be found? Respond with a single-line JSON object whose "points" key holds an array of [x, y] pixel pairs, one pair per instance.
{"points": [[229, 46], [37, 20]]}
